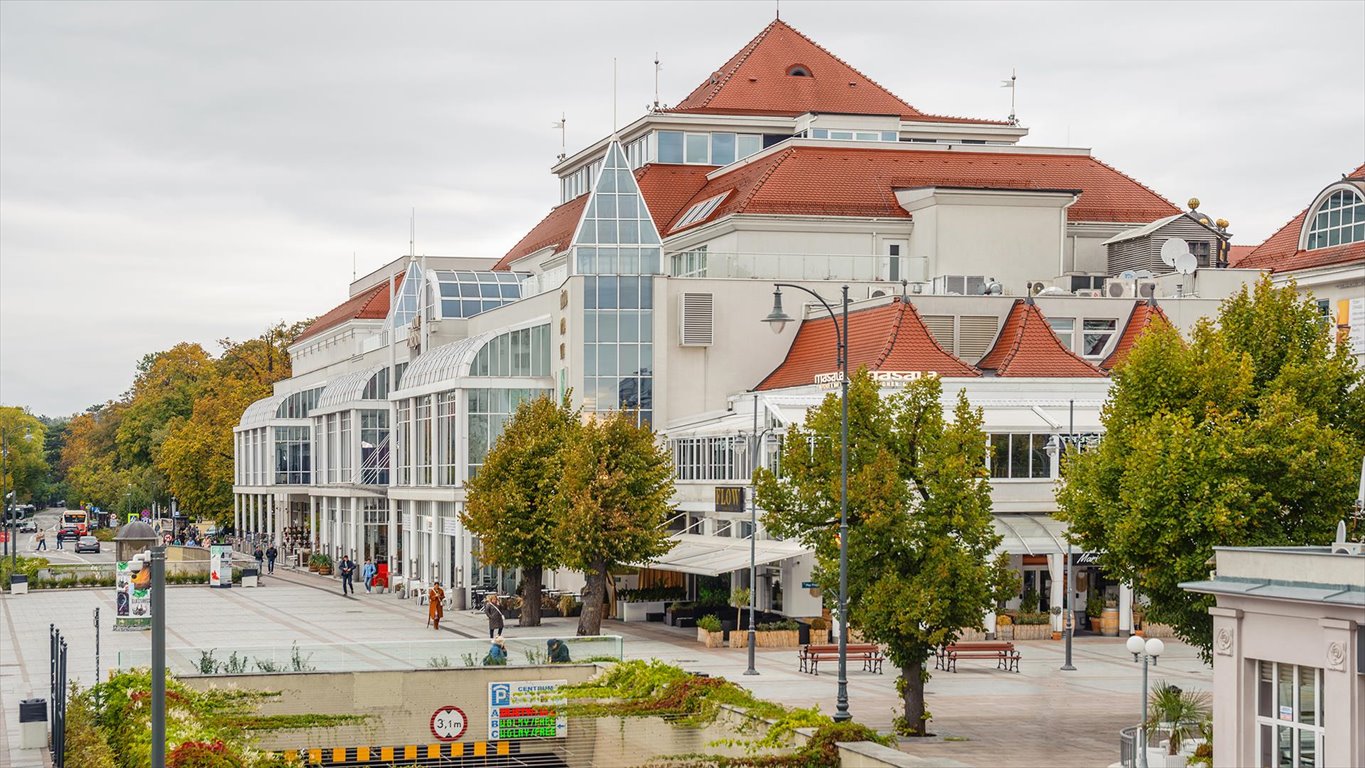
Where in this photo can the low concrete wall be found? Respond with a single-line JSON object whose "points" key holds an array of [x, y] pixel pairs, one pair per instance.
{"points": [[399, 704], [867, 754]]}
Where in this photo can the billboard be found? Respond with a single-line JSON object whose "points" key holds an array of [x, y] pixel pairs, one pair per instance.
{"points": [[528, 709], [132, 597]]}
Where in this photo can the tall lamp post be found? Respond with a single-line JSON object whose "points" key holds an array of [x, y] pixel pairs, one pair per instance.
{"points": [[1055, 448], [1147, 652], [759, 437], [777, 320]]}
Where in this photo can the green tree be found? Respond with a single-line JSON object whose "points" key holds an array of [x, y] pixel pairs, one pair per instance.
{"points": [[919, 512], [25, 465], [612, 504], [511, 499], [1249, 435]]}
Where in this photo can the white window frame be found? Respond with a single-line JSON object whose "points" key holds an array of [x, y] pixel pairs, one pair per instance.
{"points": [[1109, 335], [1067, 336], [1311, 228], [1275, 722]]}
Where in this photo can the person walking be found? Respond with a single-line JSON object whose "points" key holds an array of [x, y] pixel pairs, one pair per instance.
{"points": [[259, 554], [270, 554], [497, 653], [436, 608], [494, 614], [41, 538], [58, 536], [347, 571], [367, 572]]}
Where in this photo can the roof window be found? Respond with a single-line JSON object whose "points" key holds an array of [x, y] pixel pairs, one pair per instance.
{"points": [[799, 70], [1338, 221], [701, 210]]}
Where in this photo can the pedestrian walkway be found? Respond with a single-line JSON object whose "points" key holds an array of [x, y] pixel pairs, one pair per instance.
{"points": [[982, 716]]}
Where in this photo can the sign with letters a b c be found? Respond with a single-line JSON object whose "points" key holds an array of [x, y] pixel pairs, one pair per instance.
{"points": [[729, 498]]}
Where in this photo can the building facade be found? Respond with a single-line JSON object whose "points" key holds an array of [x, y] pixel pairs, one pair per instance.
{"points": [[968, 256]]}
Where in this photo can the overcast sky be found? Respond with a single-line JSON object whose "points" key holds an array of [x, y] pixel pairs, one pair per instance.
{"points": [[193, 171]]}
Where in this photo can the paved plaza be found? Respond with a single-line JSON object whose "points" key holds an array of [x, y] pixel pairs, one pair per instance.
{"points": [[981, 716]]}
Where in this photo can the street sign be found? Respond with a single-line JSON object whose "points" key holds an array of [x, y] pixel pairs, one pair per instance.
{"points": [[809, 585], [448, 723]]}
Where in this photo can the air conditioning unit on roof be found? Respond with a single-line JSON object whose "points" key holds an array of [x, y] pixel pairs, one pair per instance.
{"points": [[1090, 293]]}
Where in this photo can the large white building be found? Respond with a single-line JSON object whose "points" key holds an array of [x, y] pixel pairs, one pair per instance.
{"points": [[1006, 269]]}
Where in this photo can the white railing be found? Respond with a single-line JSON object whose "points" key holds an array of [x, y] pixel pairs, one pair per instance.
{"points": [[784, 266], [374, 469]]}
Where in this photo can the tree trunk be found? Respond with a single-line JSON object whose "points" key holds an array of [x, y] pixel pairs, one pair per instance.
{"points": [[594, 592], [912, 697], [530, 596]]}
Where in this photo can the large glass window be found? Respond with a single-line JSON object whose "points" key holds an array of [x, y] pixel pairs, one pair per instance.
{"points": [[1019, 456], [422, 449], [402, 438], [522, 352], [489, 410], [689, 263], [297, 405], [720, 148], [374, 447], [670, 146], [1289, 727], [1338, 221], [466, 293], [345, 448], [293, 456], [450, 436], [1096, 334]]}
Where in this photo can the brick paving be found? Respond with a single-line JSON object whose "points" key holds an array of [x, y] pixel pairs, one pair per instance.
{"points": [[981, 716]]}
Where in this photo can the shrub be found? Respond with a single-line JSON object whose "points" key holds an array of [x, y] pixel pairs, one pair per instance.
{"points": [[787, 625], [819, 624], [710, 622], [1032, 617], [85, 743], [1003, 620], [201, 754], [652, 594]]}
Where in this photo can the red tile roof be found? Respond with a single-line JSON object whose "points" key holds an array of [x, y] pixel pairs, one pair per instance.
{"points": [[887, 337], [369, 304], [853, 181], [1144, 314], [1027, 346], [1238, 252], [556, 229], [1280, 252], [755, 82]]}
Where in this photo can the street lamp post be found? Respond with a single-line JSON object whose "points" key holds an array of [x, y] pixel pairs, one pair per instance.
{"points": [[11, 543], [159, 656], [753, 541], [1055, 448], [777, 320], [1148, 651]]}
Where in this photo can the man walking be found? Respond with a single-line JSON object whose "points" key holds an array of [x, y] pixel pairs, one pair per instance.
{"points": [[494, 614], [259, 554], [270, 554], [41, 538], [347, 571]]}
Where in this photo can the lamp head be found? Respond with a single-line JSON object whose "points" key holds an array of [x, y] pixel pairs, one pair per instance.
{"points": [[1154, 647], [777, 319], [1134, 646]]}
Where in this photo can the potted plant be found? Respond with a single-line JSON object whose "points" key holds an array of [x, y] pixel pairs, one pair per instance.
{"points": [[1004, 627], [1094, 609], [777, 634], [819, 630], [1032, 625], [739, 598], [709, 632], [1056, 611], [1179, 713], [323, 563]]}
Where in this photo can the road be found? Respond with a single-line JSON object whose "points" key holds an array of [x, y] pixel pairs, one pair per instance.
{"points": [[47, 520]]}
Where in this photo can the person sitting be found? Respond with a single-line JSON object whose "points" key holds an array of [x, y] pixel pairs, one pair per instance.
{"points": [[557, 650], [497, 653]]}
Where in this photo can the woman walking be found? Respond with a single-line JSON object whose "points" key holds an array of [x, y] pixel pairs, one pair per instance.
{"points": [[435, 605], [494, 614]]}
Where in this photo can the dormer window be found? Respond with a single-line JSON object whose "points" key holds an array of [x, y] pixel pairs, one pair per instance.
{"points": [[798, 70], [1338, 221]]}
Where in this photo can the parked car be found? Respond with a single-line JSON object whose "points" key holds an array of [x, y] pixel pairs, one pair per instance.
{"points": [[87, 544]]}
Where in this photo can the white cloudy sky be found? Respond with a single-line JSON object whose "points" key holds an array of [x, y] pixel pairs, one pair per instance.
{"points": [[190, 171]]}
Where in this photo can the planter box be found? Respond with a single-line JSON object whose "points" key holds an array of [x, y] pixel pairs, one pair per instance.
{"points": [[741, 639], [967, 635], [638, 611], [1004, 631], [711, 639], [1032, 631], [782, 638]]}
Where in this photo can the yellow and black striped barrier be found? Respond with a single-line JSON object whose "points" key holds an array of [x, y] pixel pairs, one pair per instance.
{"points": [[406, 754]]}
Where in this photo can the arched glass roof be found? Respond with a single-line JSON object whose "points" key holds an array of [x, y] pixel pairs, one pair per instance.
{"points": [[347, 389], [444, 363], [261, 412]]}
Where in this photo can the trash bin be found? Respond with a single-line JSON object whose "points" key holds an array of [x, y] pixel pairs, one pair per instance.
{"points": [[18, 584], [250, 577], [33, 723]]}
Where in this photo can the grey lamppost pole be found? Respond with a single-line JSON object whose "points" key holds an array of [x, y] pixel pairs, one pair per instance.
{"points": [[10, 541], [753, 541], [778, 319], [1148, 651], [159, 656]]}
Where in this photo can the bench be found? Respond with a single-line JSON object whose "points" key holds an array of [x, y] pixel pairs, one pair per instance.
{"points": [[870, 654], [1005, 655]]}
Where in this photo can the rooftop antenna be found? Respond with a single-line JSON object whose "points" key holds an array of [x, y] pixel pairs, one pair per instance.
{"points": [[412, 235], [1013, 85], [613, 94], [353, 266], [562, 125], [657, 67], [779, 9]]}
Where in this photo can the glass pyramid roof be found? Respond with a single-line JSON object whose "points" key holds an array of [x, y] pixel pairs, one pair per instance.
{"points": [[616, 235], [407, 303]]}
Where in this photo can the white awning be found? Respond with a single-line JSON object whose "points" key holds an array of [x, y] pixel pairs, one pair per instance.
{"points": [[717, 555], [1030, 534]]}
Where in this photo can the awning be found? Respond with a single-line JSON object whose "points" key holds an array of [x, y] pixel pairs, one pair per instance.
{"points": [[716, 555], [1030, 534]]}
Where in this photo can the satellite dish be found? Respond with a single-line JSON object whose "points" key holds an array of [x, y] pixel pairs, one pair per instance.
{"points": [[1186, 263], [1171, 250]]}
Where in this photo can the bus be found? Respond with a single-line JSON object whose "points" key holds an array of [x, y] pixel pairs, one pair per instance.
{"points": [[78, 519]]}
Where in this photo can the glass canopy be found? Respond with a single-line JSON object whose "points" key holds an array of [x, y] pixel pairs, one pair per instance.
{"points": [[466, 293]]}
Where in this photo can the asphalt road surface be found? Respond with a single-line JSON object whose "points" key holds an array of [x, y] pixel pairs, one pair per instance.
{"points": [[48, 520]]}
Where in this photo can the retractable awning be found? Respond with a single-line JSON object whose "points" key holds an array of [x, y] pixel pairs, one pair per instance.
{"points": [[716, 555], [1030, 534]]}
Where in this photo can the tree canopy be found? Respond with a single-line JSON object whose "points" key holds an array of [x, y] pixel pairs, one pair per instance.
{"points": [[25, 467], [511, 500], [919, 514], [1248, 434]]}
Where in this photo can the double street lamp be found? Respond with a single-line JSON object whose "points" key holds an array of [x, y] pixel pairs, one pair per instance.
{"points": [[1148, 651], [777, 320]]}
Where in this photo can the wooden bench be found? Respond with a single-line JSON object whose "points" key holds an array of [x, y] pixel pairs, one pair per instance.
{"points": [[1005, 655], [869, 653]]}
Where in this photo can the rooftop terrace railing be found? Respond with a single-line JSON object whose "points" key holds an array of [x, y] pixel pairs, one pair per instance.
{"points": [[778, 266]]}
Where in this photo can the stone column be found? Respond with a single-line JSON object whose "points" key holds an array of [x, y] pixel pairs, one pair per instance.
{"points": [[1343, 745], [356, 545], [312, 522], [391, 534], [1234, 730]]}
